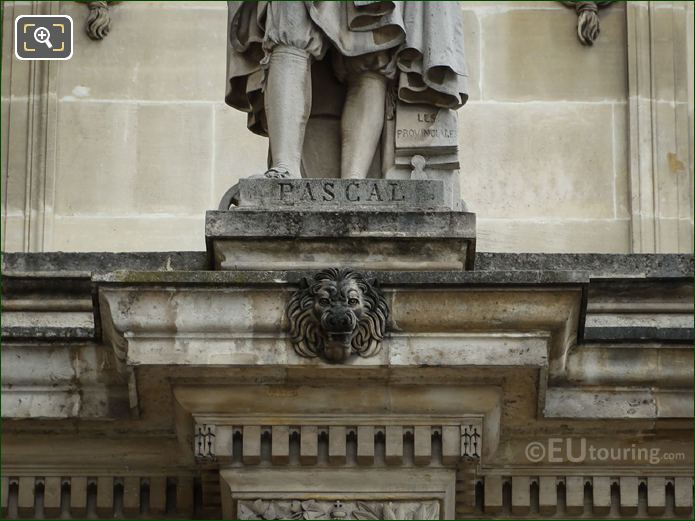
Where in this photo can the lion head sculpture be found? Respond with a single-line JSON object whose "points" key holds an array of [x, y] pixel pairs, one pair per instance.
{"points": [[336, 313]]}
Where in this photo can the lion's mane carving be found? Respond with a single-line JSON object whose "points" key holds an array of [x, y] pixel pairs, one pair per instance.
{"points": [[336, 313]]}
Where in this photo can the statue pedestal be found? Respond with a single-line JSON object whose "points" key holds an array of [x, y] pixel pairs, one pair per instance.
{"points": [[370, 224]]}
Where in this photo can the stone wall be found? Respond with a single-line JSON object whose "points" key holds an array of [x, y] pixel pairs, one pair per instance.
{"points": [[564, 148]]}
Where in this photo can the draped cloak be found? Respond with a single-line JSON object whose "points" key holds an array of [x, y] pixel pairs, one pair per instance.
{"points": [[425, 40]]}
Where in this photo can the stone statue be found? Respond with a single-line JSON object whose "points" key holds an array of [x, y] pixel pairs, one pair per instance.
{"points": [[380, 51]]}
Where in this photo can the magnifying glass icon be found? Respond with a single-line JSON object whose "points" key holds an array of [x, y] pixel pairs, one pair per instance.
{"points": [[43, 35]]}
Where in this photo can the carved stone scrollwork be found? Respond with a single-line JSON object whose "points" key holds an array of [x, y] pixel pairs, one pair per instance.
{"points": [[338, 509], [98, 22], [588, 24], [337, 313]]}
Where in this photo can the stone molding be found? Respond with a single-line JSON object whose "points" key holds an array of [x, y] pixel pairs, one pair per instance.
{"points": [[660, 127], [105, 496], [626, 491], [403, 440], [32, 137]]}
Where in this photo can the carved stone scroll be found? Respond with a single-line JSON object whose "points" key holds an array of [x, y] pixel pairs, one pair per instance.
{"points": [[337, 509], [336, 313]]}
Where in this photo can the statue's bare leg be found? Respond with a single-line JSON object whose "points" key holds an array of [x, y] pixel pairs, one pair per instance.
{"points": [[287, 108], [361, 123]]}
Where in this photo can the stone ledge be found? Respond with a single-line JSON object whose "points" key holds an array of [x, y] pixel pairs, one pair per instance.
{"points": [[84, 264], [414, 240], [335, 224], [386, 278], [628, 265], [585, 265]]}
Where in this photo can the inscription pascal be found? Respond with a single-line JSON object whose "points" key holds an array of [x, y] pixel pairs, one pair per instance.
{"points": [[341, 193], [362, 191]]}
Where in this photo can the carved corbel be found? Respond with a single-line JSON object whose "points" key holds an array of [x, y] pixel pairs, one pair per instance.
{"points": [[99, 20], [588, 23]]}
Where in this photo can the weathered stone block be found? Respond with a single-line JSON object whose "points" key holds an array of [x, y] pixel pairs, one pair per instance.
{"points": [[280, 444], [169, 57], [628, 495], [104, 496], [25, 496], [656, 495], [521, 63], [521, 495], [602, 494], [113, 233], [517, 166], [252, 444], [308, 444], [337, 444], [554, 236], [451, 444], [146, 161], [78, 496], [683, 495], [253, 239], [51, 497], [131, 496], [423, 444], [547, 494], [493, 494], [394, 444], [574, 495], [365, 444]]}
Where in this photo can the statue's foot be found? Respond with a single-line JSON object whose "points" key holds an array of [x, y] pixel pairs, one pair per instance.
{"points": [[273, 173]]}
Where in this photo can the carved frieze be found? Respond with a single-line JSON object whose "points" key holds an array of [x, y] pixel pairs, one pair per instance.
{"points": [[337, 509], [337, 313]]}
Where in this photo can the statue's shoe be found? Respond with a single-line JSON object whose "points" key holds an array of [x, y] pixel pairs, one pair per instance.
{"points": [[273, 173]]}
